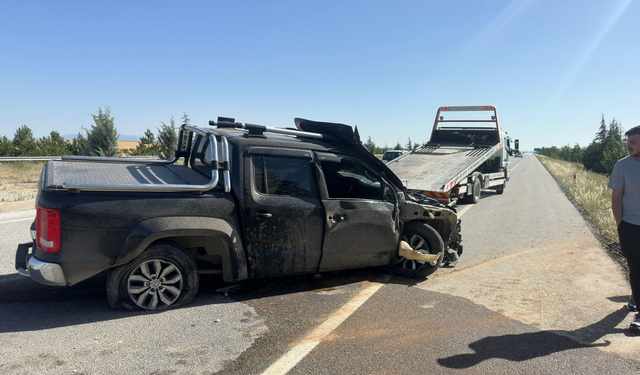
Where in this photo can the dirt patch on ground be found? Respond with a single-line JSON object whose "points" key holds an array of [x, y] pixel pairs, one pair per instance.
{"points": [[16, 191], [19, 180]]}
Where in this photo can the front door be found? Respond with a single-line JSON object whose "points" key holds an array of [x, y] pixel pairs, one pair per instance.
{"points": [[360, 216], [283, 215]]}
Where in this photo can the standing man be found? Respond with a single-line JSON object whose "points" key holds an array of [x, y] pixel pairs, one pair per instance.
{"points": [[625, 204]]}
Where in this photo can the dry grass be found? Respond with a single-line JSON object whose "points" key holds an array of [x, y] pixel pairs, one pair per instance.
{"points": [[19, 180], [127, 144], [588, 191]]}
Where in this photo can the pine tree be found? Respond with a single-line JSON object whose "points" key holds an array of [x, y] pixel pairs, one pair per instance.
{"points": [[53, 145], [79, 145], [615, 130], [601, 135], [167, 139], [614, 147], [6, 146], [24, 143], [409, 145], [147, 144], [398, 146], [576, 154], [103, 136], [613, 151], [606, 148], [370, 145]]}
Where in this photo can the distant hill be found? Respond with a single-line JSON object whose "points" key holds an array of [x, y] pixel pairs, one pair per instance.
{"points": [[123, 137]]}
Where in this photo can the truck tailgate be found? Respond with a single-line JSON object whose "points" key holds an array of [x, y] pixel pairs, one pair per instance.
{"points": [[433, 167], [65, 172]]}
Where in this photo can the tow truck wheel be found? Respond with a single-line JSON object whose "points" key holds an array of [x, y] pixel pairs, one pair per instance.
{"points": [[477, 191], [425, 239], [500, 188], [163, 276]]}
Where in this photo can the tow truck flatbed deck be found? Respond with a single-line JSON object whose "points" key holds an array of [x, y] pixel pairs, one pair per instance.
{"points": [[420, 171]]}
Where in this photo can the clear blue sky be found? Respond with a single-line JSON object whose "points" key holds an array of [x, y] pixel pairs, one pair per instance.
{"points": [[550, 67]]}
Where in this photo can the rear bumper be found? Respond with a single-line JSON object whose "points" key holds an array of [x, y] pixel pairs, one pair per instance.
{"points": [[41, 272]]}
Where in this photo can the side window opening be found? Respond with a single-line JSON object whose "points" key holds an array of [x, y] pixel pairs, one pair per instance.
{"points": [[282, 176], [349, 179]]}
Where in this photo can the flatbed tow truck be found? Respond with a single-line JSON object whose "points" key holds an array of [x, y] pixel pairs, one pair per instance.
{"points": [[458, 161]]}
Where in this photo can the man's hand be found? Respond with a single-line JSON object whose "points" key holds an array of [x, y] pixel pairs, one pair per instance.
{"points": [[616, 205]]}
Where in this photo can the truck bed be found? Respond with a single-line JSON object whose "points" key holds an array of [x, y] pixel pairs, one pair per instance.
{"points": [[433, 167], [60, 173]]}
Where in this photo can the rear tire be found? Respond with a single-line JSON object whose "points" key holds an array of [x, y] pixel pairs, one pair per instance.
{"points": [[477, 191], [500, 189], [163, 276], [425, 239]]}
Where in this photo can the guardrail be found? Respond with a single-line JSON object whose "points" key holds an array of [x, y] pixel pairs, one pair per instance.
{"points": [[47, 158]]}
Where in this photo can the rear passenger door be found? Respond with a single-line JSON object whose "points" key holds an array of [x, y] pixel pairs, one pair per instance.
{"points": [[361, 215], [283, 215]]}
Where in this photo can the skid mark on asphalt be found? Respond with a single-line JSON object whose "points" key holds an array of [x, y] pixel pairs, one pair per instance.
{"points": [[562, 286]]}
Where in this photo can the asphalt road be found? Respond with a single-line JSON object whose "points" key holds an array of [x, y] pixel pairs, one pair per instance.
{"points": [[534, 292]]}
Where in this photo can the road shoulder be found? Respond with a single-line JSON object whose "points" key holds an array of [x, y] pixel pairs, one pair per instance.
{"points": [[17, 206]]}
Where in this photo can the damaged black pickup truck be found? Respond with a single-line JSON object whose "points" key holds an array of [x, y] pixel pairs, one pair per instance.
{"points": [[238, 200]]}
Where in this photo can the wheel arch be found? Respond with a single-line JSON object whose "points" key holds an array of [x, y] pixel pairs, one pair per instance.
{"points": [[216, 236], [443, 227]]}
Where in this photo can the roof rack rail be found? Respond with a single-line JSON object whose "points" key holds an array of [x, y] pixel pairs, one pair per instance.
{"points": [[259, 130]]}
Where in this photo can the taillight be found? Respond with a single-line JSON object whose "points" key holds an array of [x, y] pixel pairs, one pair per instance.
{"points": [[48, 230]]}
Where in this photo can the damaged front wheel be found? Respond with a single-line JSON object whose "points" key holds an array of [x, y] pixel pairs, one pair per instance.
{"points": [[423, 239]]}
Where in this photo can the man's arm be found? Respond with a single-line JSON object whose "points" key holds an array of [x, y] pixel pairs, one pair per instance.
{"points": [[616, 204]]}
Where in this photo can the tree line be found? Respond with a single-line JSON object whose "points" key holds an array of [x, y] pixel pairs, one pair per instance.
{"points": [[101, 139], [608, 146], [374, 149]]}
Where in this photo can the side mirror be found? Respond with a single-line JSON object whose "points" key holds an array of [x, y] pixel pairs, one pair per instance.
{"points": [[508, 146], [517, 145]]}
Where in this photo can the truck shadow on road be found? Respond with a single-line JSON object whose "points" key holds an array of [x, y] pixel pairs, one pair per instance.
{"points": [[526, 346], [28, 306]]}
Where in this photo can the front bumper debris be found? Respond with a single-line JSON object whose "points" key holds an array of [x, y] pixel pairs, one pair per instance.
{"points": [[406, 251], [39, 271]]}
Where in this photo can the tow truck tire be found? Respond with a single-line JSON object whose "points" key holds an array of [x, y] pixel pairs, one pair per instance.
{"points": [[163, 276], [500, 189], [424, 238], [477, 191]]}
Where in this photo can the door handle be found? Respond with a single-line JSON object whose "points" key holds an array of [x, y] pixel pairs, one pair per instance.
{"points": [[337, 218], [261, 215]]}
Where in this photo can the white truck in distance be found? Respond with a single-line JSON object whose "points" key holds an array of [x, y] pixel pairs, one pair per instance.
{"points": [[459, 160]]}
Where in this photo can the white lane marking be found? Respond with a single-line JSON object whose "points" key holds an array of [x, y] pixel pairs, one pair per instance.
{"points": [[463, 210], [304, 347], [15, 221], [512, 169]]}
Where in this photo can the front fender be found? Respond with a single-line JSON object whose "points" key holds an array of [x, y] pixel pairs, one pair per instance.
{"points": [[150, 230], [443, 219]]}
